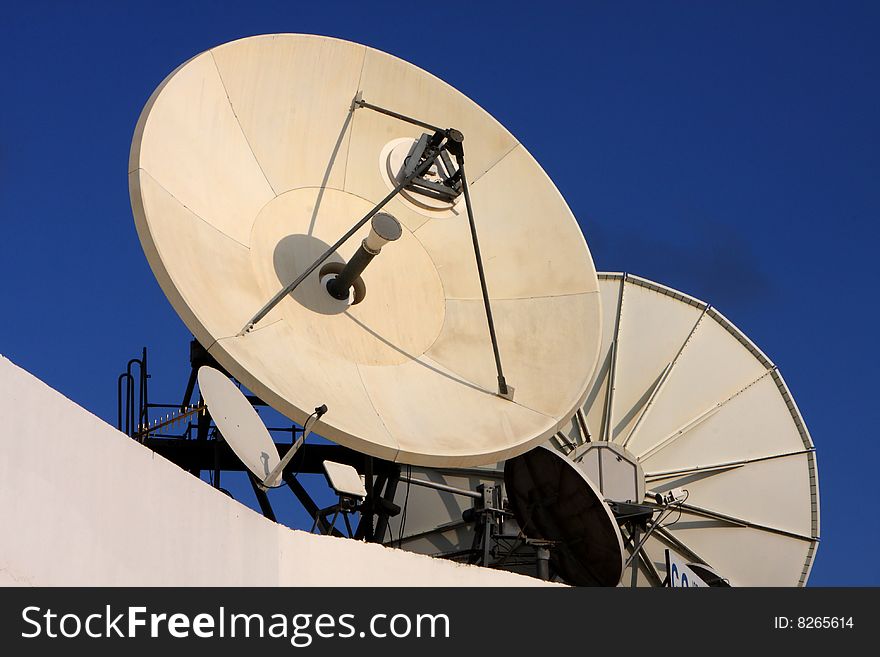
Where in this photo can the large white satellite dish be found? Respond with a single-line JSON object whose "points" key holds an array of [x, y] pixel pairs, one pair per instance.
{"points": [[683, 400], [252, 158]]}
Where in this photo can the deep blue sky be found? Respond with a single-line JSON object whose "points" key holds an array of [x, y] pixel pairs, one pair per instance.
{"points": [[729, 150]]}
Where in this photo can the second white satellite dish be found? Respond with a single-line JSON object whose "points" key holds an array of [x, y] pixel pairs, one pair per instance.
{"points": [[242, 428], [681, 401], [692, 404]]}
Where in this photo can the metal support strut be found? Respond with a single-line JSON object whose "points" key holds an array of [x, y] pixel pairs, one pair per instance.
{"points": [[384, 229], [455, 145], [503, 389], [360, 102]]}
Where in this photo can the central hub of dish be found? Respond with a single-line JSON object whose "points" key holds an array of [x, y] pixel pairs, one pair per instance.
{"points": [[615, 471], [330, 310], [341, 281]]}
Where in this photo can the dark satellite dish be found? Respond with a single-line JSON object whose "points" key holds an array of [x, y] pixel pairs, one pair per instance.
{"points": [[554, 501]]}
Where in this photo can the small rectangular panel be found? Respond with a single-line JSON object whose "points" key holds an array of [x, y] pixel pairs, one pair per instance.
{"points": [[344, 479], [590, 467]]}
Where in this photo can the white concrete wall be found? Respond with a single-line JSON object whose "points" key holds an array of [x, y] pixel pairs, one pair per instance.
{"points": [[83, 504]]}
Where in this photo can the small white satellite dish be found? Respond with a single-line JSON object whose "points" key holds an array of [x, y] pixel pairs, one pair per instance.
{"points": [[244, 431], [553, 500], [238, 422]]}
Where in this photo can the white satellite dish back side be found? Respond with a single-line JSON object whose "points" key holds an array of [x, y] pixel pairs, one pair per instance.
{"points": [[686, 401], [699, 407], [242, 428], [249, 161]]}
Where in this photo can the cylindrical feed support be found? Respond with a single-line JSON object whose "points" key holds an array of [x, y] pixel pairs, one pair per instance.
{"points": [[383, 229]]}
